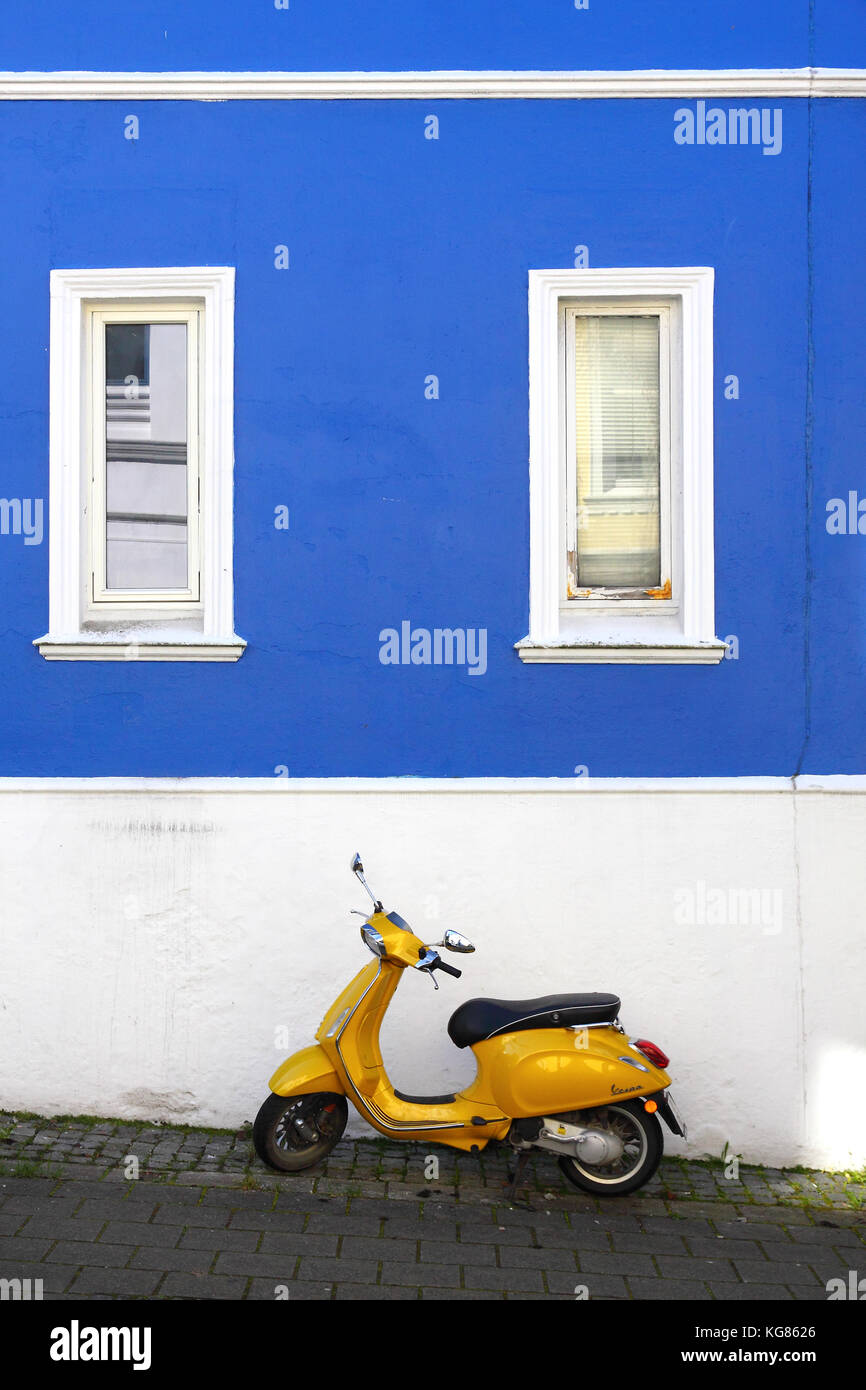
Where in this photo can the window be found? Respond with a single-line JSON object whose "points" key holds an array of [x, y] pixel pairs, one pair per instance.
{"points": [[144, 480], [621, 498], [141, 466]]}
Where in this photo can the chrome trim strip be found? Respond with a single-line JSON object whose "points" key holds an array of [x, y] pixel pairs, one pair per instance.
{"points": [[509, 1027], [371, 1109]]}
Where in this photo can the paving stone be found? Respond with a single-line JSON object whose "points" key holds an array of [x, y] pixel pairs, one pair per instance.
{"points": [[683, 1227], [443, 1252], [166, 1194], [75, 1189], [668, 1290], [201, 1286], [117, 1281], [384, 1293], [751, 1230], [305, 1243], [289, 1222], [97, 1209], [821, 1235], [209, 1218], [459, 1295], [675, 1267], [420, 1275], [140, 1233], [485, 1277], [808, 1254], [519, 1257], [257, 1264], [238, 1198], [336, 1271], [626, 1242], [780, 1215], [158, 1257], [774, 1272], [87, 1252], [202, 1239], [750, 1293], [69, 1228], [716, 1247], [55, 1208], [472, 1234], [381, 1248], [327, 1223], [601, 1262]]}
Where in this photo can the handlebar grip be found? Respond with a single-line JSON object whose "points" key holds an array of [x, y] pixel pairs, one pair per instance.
{"points": [[449, 969]]}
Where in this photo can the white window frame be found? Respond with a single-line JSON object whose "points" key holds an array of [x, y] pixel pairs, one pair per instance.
{"points": [[605, 628], [86, 622]]}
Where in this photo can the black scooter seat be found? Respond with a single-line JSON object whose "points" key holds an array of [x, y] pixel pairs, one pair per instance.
{"points": [[478, 1019]]}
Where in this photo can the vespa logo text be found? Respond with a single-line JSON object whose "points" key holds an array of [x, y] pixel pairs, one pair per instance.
{"points": [[623, 1090], [444, 646], [738, 126]]}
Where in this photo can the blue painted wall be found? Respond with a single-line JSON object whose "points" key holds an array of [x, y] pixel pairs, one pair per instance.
{"points": [[332, 34], [410, 257]]}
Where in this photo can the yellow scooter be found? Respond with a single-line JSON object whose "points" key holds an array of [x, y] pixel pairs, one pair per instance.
{"points": [[556, 1073]]}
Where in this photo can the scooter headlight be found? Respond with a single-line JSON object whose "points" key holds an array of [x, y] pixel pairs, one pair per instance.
{"points": [[374, 939]]}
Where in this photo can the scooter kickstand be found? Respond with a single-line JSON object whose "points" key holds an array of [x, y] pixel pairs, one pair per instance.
{"points": [[515, 1178]]}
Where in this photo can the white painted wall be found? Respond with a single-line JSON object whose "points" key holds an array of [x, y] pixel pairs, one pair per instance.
{"points": [[156, 935]]}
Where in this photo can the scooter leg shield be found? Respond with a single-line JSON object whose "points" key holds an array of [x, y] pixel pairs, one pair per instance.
{"points": [[305, 1073]]}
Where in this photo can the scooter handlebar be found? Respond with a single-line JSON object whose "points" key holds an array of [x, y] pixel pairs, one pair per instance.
{"points": [[449, 969]]}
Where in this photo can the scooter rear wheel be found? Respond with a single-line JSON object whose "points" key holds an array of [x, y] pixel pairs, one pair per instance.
{"points": [[295, 1132], [643, 1146]]}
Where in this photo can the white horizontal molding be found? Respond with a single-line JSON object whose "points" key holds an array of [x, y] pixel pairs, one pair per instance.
{"points": [[460, 85], [54, 650], [834, 784], [634, 654]]}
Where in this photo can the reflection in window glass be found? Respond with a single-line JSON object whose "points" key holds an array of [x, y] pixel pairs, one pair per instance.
{"points": [[617, 446], [146, 455]]}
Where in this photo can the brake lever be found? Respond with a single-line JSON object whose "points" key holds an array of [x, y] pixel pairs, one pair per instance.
{"points": [[427, 960]]}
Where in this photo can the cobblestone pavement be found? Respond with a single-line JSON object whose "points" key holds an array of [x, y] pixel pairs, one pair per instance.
{"points": [[204, 1219]]}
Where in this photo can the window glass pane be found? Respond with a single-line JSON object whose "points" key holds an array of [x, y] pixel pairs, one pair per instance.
{"points": [[617, 452], [146, 455]]}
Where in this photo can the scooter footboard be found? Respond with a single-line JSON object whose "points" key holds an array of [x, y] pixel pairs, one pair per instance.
{"points": [[305, 1073]]}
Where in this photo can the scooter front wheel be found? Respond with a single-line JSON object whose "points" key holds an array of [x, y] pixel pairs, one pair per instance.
{"points": [[640, 1135], [295, 1132]]}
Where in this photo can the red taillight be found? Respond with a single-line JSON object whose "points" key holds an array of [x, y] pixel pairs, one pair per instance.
{"points": [[652, 1053]]}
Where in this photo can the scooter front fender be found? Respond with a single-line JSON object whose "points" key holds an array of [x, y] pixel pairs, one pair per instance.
{"points": [[305, 1073]]}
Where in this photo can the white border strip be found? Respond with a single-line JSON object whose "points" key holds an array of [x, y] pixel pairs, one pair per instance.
{"points": [[378, 86], [407, 786]]}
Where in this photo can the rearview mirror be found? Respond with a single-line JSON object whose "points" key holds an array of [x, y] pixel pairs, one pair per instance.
{"points": [[358, 869], [456, 941]]}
